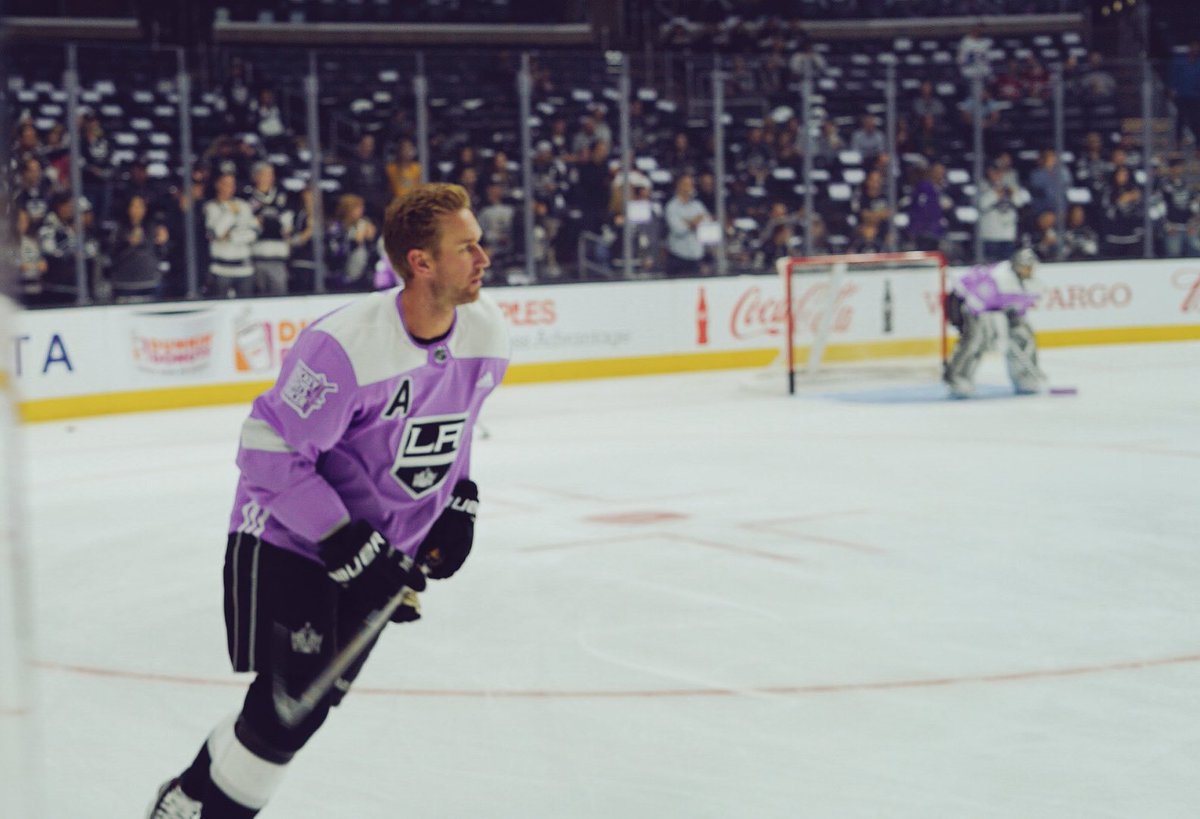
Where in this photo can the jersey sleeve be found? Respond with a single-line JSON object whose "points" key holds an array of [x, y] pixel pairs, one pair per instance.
{"points": [[303, 415]]}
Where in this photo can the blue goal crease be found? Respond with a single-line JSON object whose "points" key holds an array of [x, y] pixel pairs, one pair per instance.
{"points": [[919, 394]]}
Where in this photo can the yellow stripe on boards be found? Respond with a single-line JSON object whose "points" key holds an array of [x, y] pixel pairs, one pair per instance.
{"points": [[51, 409]]}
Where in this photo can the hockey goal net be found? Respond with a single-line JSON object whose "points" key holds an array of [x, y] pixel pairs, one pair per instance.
{"points": [[868, 315]]}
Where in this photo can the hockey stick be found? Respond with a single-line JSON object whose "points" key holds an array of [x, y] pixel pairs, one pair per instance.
{"points": [[293, 710]]}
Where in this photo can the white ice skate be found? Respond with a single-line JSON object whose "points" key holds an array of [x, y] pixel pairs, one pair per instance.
{"points": [[173, 803]]}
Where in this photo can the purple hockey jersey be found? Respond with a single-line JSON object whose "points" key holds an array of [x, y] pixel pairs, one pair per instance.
{"points": [[993, 287], [366, 423]]}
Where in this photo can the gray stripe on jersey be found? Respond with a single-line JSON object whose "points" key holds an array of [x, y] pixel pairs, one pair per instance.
{"points": [[258, 434]]}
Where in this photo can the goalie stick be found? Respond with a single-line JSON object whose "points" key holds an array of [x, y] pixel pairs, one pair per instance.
{"points": [[293, 710]]}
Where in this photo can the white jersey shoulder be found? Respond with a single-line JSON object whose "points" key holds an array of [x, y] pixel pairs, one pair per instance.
{"points": [[1006, 280], [373, 337], [481, 331], [372, 334]]}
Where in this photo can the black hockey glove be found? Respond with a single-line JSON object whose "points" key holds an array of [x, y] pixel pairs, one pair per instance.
{"points": [[445, 548], [370, 570]]}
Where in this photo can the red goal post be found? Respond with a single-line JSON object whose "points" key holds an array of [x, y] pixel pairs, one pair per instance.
{"points": [[835, 269]]}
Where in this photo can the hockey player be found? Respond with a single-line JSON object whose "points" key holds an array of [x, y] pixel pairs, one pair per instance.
{"points": [[354, 486], [995, 288]]}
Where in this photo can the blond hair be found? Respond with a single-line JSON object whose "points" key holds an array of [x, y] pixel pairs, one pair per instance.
{"points": [[411, 222]]}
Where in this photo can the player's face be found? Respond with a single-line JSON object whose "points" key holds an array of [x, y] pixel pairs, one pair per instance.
{"points": [[460, 260]]}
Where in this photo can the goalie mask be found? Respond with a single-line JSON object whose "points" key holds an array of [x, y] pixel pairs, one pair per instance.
{"points": [[1023, 262]]}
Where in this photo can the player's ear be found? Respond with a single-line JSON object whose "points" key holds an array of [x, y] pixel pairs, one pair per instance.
{"points": [[419, 261]]}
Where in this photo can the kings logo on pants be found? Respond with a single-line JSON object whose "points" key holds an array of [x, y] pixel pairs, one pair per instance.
{"points": [[427, 450]]}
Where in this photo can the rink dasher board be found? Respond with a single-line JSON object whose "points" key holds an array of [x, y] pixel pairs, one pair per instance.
{"points": [[123, 358]]}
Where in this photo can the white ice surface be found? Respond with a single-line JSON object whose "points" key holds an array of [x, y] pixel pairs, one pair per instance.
{"points": [[686, 600]]}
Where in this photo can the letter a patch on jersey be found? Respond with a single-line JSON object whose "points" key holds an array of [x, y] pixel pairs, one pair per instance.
{"points": [[306, 389], [399, 404], [427, 450]]}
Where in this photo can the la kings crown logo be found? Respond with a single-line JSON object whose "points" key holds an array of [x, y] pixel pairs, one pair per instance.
{"points": [[427, 450]]}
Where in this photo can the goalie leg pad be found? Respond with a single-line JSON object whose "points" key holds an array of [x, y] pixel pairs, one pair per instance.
{"points": [[977, 335], [1021, 357]]}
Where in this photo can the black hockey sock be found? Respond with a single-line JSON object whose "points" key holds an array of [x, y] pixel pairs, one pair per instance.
{"points": [[196, 780], [217, 805]]}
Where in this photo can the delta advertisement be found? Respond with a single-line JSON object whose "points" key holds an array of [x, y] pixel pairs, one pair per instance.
{"points": [[81, 361]]}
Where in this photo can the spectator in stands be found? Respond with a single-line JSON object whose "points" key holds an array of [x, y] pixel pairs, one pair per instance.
{"points": [[268, 121], [1008, 171], [135, 180], [560, 139], [1183, 86], [1079, 241], [466, 158], [645, 216], [987, 112], [231, 230], [468, 178], [1045, 238], [366, 176], [781, 241], [59, 240], [497, 220], [1048, 183], [741, 80], [1006, 85], [999, 213], [1095, 83], [706, 183], [808, 60], [500, 173], [973, 57], [867, 239], [301, 264], [1124, 228], [1091, 167], [929, 208], [549, 172], [276, 218], [1035, 79], [1181, 205], [404, 170], [592, 189], [350, 240], [97, 163], [30, 264], [684, 215], [755, 159], [138, 248], [927, 103], [584, 139], [235, 97], [869, 205], [229, 155], [55, 153], [868, 139], [31, 191], [828, 144], [26, 145], [680, 157], [174, 217]]}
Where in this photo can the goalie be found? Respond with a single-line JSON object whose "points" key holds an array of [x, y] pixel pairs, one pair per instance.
{"points": [[982, 291]]}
